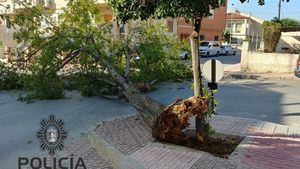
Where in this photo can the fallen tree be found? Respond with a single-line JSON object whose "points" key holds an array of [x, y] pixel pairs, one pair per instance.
{"points": [[80, 39], [166, 122], [80, 33]]}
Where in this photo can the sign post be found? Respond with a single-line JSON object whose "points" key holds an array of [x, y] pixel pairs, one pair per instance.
{"points": [[213, 72]]}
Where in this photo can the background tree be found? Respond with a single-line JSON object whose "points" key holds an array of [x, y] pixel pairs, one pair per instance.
{"points": [[226, 36], [286, 21], [271, 34]]}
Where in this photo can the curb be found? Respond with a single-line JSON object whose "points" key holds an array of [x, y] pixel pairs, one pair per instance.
{"points": [[258, 77], [117, 159]]}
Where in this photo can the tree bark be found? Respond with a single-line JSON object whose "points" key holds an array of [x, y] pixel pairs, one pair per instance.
{"points": [[127, 68], [198, 88], [166, 122]]}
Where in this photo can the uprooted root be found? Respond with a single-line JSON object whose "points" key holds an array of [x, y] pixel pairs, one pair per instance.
{"points": [[170, 123]]}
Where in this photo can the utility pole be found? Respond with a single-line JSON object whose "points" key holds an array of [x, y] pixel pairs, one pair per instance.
{"points": [[279, 10], [231, 23]]}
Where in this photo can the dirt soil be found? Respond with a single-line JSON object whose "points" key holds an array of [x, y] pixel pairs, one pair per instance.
{"points": [[219, 144]]}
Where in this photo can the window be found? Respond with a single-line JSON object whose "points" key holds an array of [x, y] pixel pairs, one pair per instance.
{"points": [[216, 45], [216, 38], [238, 28], [204, 44], [201, 37], [229, 26]]}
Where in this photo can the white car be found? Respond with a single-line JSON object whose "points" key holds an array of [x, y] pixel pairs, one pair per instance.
{"points": [[227, 50], [297, 69], [184, 55], [209, 48]]}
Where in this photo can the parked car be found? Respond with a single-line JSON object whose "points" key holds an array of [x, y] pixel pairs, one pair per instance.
{"points": [[297, 69], [184, 55], [227, 50], [209, 48]]}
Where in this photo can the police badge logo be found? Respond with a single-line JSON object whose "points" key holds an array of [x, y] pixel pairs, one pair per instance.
{"points": [[52, 134]]}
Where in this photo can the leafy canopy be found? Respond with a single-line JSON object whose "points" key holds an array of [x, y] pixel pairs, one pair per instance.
{"points": [[286, 21], [144, 9], [47, 45]]}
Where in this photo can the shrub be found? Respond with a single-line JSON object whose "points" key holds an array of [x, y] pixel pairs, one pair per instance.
{"points": [[9, 77], [271, 35], [43, 84], [94, 82]]}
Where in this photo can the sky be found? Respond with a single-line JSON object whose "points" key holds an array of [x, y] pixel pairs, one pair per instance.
{"points": [[269, 10]]}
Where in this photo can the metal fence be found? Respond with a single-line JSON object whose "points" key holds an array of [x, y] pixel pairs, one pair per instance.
{"points": [[254, 45]]}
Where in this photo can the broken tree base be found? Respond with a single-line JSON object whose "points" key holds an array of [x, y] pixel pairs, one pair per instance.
{"points": [[218, 144], [169, 124]]}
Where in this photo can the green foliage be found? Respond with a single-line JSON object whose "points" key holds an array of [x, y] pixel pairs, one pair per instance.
{"points": [[43, 85], [78, 29], [226, 36], [271, 34], [9, 77], [189, 9], [212, 111], [286, 21], [262, 2], [155, 49], [47, 43], [92, 81]]}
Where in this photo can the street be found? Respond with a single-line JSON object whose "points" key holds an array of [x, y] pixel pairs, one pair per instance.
{"points": [[19, 121], [226, 60], [273, 101]]}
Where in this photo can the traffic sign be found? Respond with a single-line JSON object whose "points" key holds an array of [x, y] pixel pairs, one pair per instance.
{"points": [[213, 71]]}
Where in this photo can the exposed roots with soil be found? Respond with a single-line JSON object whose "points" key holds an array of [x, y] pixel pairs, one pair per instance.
{"points": [[174, 118]]}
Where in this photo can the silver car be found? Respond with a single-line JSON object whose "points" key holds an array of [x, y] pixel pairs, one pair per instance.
{"points": [[209, 48], [297, 69], [227, 50]]}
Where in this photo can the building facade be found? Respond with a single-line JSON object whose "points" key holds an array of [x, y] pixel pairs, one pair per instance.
{"points": [[243, 26], [212, 26], [9, 6]]}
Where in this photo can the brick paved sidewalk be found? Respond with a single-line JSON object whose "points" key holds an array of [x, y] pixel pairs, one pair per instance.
{"points": [[266, 145], [80, 148]]}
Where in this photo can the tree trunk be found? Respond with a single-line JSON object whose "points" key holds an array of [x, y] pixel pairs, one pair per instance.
{"points": [[166, 122], [198, 90], [148, 108], [127, 68]]}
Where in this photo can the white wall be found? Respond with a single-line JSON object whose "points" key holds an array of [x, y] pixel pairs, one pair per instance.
{"points": [[288, 40], [259, 62]]}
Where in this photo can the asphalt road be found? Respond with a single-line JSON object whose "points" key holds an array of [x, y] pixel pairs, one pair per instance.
{"points": [[226, 60], [19, 122], [275, 101]]}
